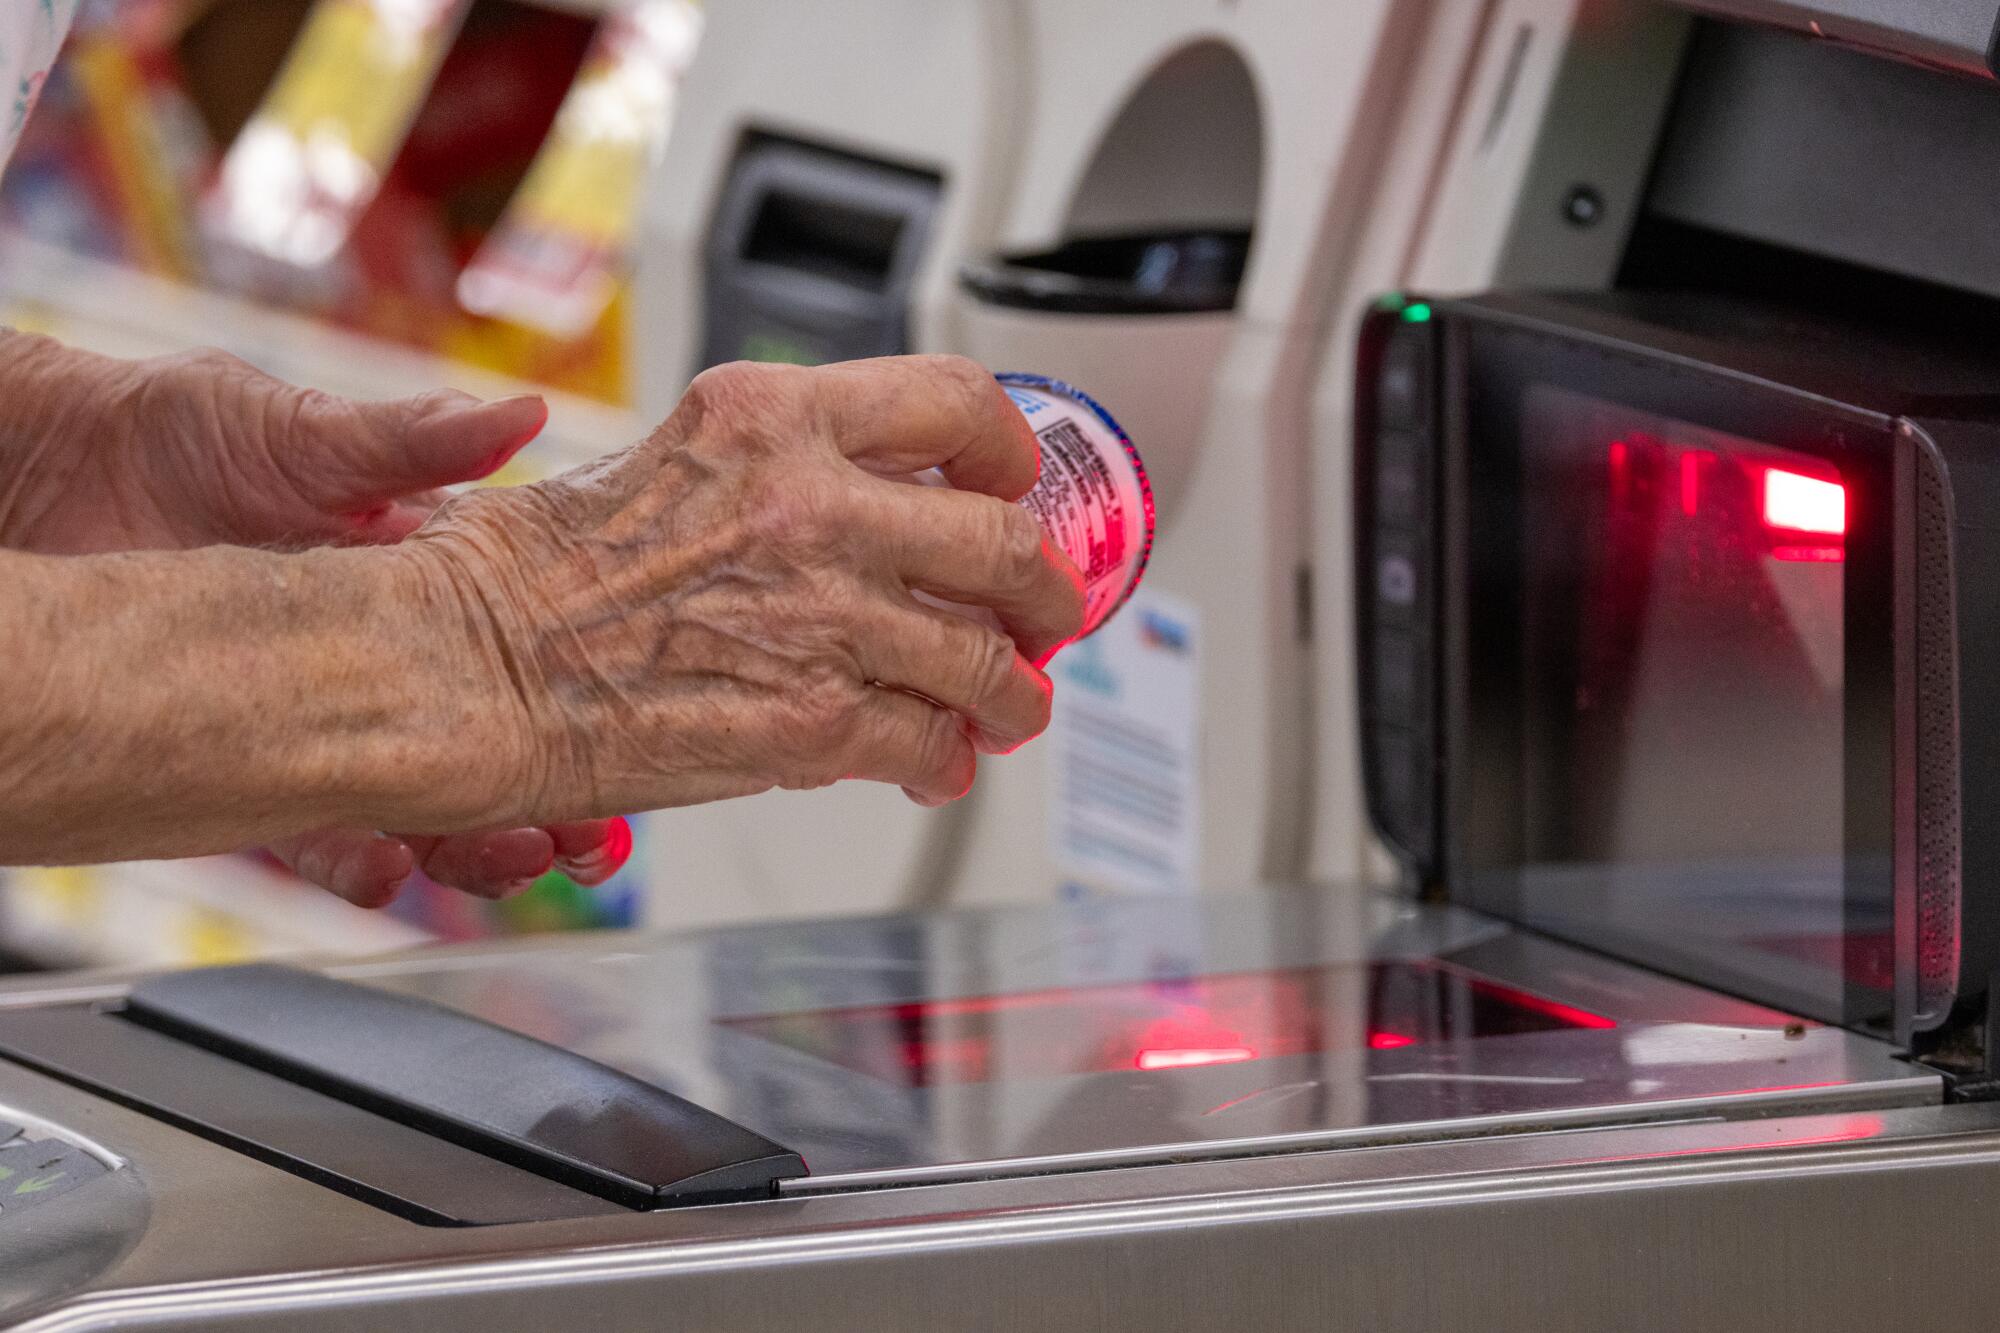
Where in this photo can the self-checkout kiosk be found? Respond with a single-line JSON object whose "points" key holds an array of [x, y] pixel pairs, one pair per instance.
{"points": [[1663, 690], [1150, 203]]}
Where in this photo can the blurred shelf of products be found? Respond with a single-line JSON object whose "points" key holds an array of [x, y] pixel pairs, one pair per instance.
{"points": [[370, 198]]}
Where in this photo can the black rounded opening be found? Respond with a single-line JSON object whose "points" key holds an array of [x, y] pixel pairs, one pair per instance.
{"points": [[1173, 272]]}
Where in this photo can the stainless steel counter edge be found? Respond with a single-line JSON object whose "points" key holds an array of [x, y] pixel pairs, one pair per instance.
{"points": [[1880, 1094], [1138, 1206]]}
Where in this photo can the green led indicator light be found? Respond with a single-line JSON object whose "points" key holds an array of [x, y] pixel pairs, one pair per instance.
{"points": [[1417, 314]]}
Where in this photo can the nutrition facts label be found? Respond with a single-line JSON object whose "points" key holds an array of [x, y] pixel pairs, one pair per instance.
{"points": [[1087, 500], [1078, 501]]}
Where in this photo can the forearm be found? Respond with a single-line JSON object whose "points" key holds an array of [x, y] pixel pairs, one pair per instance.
{"points": [[176, 704]]}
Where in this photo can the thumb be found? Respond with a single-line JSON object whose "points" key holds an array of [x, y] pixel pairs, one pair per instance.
{"points": [[348, 456]]}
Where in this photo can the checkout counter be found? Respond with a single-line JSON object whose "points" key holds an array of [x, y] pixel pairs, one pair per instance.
{"points": [[1275, 1110], [1608, 1050]]}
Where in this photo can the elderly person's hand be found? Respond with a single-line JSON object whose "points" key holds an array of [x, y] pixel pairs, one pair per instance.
{"points": [[98, 454], [198, 449], [725, 607]]}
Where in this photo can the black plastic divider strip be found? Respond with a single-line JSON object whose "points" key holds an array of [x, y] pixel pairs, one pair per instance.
{"points": [[358, 1190], [532, 1105], [367, 1157]]}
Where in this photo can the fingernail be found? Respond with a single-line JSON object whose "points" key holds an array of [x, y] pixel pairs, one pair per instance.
{"points": [[512, 406], [601, 862], [529, 428], [514, 888], [493, 861], [353, 880], [520, 416]]}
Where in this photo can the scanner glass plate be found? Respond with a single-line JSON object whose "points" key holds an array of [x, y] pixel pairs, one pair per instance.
{"points": [[910, 1048], [1170, 1023]]}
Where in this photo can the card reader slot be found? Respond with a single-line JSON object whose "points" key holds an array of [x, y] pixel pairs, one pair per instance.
{"points": [[469, 1082], [355, 1152], [834, 238], [813, 253]]}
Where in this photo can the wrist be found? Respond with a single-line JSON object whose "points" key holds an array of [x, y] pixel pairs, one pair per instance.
{"points": [[472, 752], [175, 704]]}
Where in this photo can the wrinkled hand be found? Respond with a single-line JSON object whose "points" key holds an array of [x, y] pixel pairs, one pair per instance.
{"points": [[202, 448], [727, 606], [100, 454]]}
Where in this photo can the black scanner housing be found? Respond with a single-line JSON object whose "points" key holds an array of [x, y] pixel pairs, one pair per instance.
{"points": [[1916, 426]]}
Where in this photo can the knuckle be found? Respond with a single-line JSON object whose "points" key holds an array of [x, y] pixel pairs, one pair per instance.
{"points": [[990, 668], [336, 427], [978, 395], [827, 708], [1021, 542], [430, 402], [714, 385], [791, 515], [736, 385], [938, 743], [209, 361], [743, 409], [181, 383], [206, 378], [967, 375], [952, 763]]}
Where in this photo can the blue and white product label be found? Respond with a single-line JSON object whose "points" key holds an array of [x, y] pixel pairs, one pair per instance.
{"points": [[1125, 746], [1093, 499]]}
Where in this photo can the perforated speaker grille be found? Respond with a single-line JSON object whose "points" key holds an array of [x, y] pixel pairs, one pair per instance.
{"points": [[1937, 804]]}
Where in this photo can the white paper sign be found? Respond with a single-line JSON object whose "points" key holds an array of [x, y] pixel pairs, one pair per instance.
{"points": [[1126, 801]]}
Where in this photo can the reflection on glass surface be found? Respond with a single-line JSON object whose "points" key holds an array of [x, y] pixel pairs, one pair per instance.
{"points": [[1683, 672], [1177, 1023], [902, 1048]]}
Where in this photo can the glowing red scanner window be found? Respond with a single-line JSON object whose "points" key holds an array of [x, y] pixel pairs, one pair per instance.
{"points": [[1797, 503]]}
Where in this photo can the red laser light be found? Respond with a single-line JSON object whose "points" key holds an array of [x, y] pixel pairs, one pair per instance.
{"points": [[1171, 1059], [1691, 462], [1798, 503], [1620, 458], [1166, 1024]]}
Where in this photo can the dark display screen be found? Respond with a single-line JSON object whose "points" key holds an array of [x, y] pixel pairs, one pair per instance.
{"points": [[1156, 1025], [1684, 708]]}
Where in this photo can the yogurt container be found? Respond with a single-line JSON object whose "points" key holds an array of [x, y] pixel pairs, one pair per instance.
{"points": [[1093, 497]]}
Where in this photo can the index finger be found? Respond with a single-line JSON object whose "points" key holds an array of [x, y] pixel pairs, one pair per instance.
{"points": [[895, 415]]}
